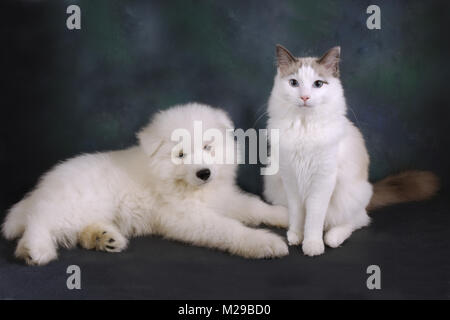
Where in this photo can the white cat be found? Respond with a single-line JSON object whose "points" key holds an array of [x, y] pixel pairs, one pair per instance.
{"points": [[323, 159]]}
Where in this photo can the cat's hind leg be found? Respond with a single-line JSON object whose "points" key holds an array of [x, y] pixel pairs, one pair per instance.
{"points": [[102, 237], [274, 190], [346, 212], [337, 235]]}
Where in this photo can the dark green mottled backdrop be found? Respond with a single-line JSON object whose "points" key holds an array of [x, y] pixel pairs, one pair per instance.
{"points": [[68, 92]]}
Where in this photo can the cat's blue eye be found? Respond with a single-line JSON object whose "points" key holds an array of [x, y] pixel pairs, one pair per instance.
{"points": [[293, 83], [318, 83]]}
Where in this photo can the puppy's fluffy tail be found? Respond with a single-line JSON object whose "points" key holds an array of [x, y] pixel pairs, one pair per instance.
{"points": [[404, 187]]}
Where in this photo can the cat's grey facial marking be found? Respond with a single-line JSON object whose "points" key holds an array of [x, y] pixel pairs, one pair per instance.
{"points": [[327, 65]]}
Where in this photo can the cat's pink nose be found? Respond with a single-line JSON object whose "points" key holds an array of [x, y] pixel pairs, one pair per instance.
{"points": [[304, 98]]}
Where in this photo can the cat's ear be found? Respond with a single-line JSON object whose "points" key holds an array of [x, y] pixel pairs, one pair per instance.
{"points": [[330, 60], [284, 59]]}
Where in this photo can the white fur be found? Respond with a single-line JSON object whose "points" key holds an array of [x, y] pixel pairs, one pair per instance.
{"points": [[140, 191], [323, 162]]}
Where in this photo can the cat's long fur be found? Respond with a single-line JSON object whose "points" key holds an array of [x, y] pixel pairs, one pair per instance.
{"points": [[323, 159]]}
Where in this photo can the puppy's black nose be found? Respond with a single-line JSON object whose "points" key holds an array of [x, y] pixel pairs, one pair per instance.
{"points": [[203, 174]]}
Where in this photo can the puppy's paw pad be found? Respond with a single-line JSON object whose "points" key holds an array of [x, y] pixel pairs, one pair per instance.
{"points": [[22, 252], [110, 242], [102, 239], [313, 247]]}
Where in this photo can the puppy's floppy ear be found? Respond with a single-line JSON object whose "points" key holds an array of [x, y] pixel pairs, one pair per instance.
{"points": [[224, 119], [330, 60], [149, 141]]}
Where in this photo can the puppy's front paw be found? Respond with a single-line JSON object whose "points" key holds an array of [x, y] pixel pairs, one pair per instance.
{"points": [[313, 247], [264, 244], [280, 217], [272, 246]]}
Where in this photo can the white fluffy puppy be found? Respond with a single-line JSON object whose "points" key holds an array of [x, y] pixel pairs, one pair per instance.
{"points": [[100, 200]]}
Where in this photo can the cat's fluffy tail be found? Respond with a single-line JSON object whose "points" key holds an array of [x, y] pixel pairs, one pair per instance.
{"points": [[404, 187]]}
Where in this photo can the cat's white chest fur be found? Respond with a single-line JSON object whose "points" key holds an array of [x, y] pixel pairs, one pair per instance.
{"points": [[306, 152]]}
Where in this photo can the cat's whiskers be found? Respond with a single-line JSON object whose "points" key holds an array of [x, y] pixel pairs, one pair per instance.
{"points": [[358, 123], [262, 115]]}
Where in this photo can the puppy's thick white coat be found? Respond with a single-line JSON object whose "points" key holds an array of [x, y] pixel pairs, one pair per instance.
{"points": [[100, 200]]}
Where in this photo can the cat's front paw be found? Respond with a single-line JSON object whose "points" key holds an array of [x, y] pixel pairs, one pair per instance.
{"points": [[294, 238], [313, 247]]}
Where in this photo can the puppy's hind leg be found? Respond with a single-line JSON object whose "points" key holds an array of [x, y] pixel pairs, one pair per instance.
{"points": [[14, 225], [102, 237], [36, 247]]}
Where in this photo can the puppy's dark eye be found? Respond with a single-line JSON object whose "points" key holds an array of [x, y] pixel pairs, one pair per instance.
{"points": [[181, 154], [293, 83], [318, 83]]}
